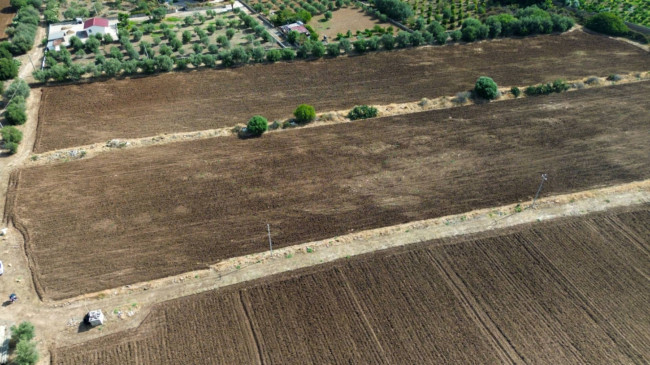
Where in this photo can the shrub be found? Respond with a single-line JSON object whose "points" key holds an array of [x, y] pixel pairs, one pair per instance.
{"points": [[608, 23], [486, 88], [257, 125], [461, 97], [12, 147], [304, 113], [11, 134], [614, 77], [456, 35], [515, 91], [556, 86], [362, 112]]}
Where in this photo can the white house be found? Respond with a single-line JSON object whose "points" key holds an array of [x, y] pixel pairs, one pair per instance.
{"points": [[59, 34]]}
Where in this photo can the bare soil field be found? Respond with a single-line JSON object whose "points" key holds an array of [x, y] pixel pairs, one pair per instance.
{"points": [[345, 19], [7, 14], [83, 114], [493, 297], [139, 214]]}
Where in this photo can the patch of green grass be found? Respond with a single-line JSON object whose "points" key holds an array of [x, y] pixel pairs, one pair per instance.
{"points": [[288, 256], [172, 19], [518, 208], [310, 250]]}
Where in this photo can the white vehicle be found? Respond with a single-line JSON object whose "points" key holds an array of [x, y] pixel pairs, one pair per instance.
{"points": [[2, 268]]}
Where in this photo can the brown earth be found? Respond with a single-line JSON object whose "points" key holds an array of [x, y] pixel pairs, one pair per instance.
{"points": [[495, 297], [83, 114], [7, 14], [345, 19], [135, 215]]}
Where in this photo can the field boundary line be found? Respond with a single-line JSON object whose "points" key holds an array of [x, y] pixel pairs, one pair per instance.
{"points": [[260, 358], [39, 125], [498, 339], [357, 304], [610, 330], [327, 118]]}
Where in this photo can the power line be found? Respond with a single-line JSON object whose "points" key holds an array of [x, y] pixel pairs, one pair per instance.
{"points": [[544, 178]]}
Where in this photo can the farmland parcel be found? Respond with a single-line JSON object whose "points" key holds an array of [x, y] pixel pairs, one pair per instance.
{"points": [[140, 214], [77, 115], [573, 290]]}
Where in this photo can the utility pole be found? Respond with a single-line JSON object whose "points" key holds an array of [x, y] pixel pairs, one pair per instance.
{"points": [[544, 178], [268, 229]]}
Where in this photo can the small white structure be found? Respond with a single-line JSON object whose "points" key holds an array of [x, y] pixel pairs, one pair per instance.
{"points": [[3, 232], [95, 318], [59, 34], [4, 345]]}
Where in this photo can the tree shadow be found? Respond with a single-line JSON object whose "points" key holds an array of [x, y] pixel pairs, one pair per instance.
{"points": [[7, 303]]}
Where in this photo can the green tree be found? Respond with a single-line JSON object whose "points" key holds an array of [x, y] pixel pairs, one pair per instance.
{"points": [[26, 353], [12, 134], [288, 54], [608, 23], [333, 49], [8, 69], [273, 55], [112, 67], [17, 88], [388, 41], [25, 330], [395, 9], [230, 33], [304, 113], [158, 14], [257, 125], [486, 88], [328, 15], [318, 49], [164, 63]]}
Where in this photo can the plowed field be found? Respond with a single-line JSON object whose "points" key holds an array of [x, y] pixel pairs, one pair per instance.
{"points": [[95, 113], [490, 298], [140, 214]]}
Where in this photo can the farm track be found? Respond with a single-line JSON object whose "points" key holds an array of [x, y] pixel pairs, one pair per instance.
{"points": [[410, 306], [153, 212], [83, 114]]}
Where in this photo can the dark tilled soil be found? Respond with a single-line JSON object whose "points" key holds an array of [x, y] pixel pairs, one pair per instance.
{"points": [[139, 214], [519, 295], [95, 113]]}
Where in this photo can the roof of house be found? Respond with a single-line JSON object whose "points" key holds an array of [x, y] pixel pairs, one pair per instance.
{"points": [[298, 27], [99, 22], [55, 35]]}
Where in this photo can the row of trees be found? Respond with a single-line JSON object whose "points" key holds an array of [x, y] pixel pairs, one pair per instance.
{"points": [[23, 30], [528, 21], [15, 114]]}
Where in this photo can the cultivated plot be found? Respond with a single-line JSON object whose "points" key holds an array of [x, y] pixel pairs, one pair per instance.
{"points": [[140, 214], [83, 114], [489, 298]]}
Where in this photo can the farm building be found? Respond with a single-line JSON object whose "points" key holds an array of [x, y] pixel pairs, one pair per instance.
{"points": [[296, 27], [60, 34]]}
